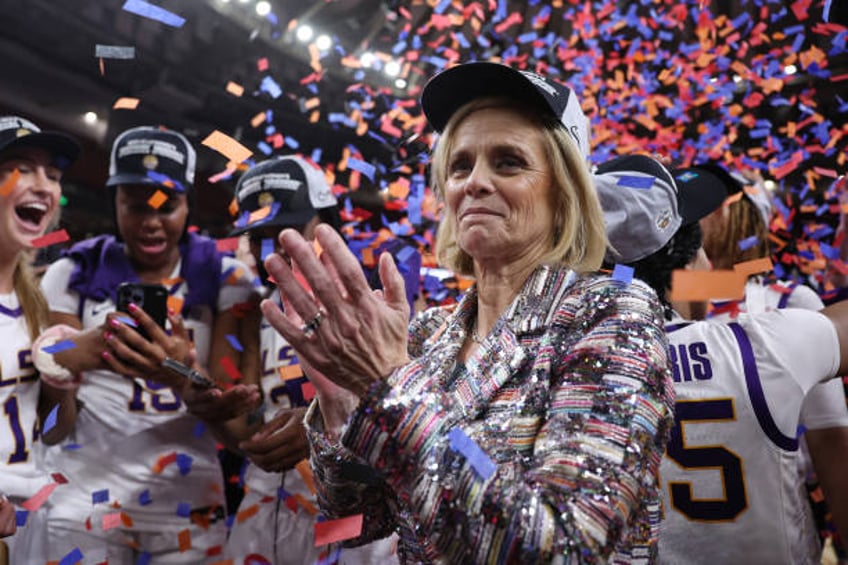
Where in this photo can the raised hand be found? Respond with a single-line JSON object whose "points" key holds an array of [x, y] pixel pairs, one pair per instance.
{"points": [[352, 335]]}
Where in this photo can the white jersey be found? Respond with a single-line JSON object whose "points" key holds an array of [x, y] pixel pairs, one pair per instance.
{"points": [[135, 437], [824, 407], [729, 476], [21, 471]]}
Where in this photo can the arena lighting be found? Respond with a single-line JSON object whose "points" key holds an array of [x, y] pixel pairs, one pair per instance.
{"points": [[400, 83], [263, 8], [244, 1], [304, 33], [737, 78], [790, 69], [367, 59], [323, 42], [770, 185], [392, 68], [90, 118]]}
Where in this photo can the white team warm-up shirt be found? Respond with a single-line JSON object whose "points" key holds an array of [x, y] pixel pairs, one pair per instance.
{"points": [[21, 471], [126, 425], [729, 476]]}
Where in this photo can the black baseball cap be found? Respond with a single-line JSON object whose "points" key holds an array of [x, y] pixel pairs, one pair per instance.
{"points": [[451, 89], [20, 132], [154, 156], [290, 187]]}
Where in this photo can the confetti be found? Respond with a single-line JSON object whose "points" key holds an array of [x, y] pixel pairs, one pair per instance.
{"points": [[707, 285], [227, 146], [37, 500], [62, 345], [126, 103], [50, 420], [153, 12], [332, 531], [10, 183], [478, 459], [234, 342], [52, 238]]}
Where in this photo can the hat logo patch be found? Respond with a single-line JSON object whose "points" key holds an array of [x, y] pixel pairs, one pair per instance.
{"points": [[22, 132], [265, 199], [539, 82], [664, 220], [150, 162], [687, 176]]}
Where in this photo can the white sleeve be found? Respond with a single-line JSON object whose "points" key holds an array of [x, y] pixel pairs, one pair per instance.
{"points": [[54, 285], [824, 406], [237, 287], [804, 297], [802, 344]]}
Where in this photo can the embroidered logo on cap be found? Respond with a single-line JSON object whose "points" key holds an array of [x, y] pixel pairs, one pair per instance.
{"points": [[150, 162], [265, 199], [22, 132], [664, 219]]}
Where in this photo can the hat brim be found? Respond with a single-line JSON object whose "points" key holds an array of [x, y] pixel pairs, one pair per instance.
{"points": [[290, 220], [451, 89], [133, 178], [59, 144]]}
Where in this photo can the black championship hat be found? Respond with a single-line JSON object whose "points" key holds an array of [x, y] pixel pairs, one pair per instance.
{"points": [[19, 132], [283, 191], [153, 156]]}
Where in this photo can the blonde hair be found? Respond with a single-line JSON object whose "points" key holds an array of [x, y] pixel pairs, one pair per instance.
{"points": [[740, 220], [30, 297], [578, 236]]}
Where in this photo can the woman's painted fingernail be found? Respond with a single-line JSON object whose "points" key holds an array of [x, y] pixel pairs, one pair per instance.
{"points": [[133, 308], [114, 322], [108, 336], [105, 354]]}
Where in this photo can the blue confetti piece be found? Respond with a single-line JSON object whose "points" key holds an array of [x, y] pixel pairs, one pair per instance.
{"points": [[184, 462], [144, 558], [632, 181], [100, 496], [75, 556], [153, 12], [71, 446], [59, 346], [748, 243], [316, 154], [50, 421], [270, 86], [266, 249], [21, 518], [264, 148], [829, 251], [478, 459], [292, 142], [230, 520], [184, 509], [144, 498], [234, 342], [622, 273], [363, 167]]}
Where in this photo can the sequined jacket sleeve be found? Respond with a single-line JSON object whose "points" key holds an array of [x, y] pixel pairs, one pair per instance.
{"points": [[567, 407]]}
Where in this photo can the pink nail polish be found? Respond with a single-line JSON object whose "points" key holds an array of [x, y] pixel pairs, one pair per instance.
{"points": [[105, 355], [133, 308], [108, 336], [114, 323]]}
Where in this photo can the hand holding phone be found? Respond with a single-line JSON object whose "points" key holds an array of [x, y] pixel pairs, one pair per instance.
{"points": [[152, 298]]}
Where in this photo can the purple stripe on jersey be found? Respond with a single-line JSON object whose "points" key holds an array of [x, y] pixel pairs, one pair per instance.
{"points": [[16, 313], [784, 298], [674, 327], [756, 394]]}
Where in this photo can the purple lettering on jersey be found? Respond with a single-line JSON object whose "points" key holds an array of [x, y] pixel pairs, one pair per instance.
{"points": [[756, 394], [100, 265]]}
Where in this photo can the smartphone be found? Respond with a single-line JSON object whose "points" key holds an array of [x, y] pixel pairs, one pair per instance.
{"points": [[152, 298]]}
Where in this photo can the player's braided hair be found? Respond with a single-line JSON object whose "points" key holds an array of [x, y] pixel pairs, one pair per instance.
{"points": [[742, 221], [656, 269]]}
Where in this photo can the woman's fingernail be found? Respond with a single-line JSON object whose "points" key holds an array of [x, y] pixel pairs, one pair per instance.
{"points": [[132, 307], [114, 323], [108, 336], [105, 354], [171, 311]]}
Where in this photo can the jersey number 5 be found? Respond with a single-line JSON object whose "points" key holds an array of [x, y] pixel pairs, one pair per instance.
{"points": [[722, 460]]}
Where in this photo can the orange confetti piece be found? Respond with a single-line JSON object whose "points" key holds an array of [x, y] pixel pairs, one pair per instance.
{"points": [[305, 504], [157, 199], [707, 285], [38, 499], [259, 214], [234, 88], [164, 461], [753, 267], [290, 372], [306, 474], [227, 146], [10, 183], [184, 538], [175, 303], [126, 103], [257, 120], [111, 521], [247, 513]]}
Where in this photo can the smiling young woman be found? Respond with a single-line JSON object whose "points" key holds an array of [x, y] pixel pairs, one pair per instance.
{"points": [[31, 166]]}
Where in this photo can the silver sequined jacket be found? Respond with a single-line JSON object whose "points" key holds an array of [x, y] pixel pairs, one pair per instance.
{"points": [[567, 405]]}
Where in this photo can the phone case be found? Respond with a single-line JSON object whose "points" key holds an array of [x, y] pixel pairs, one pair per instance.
{"points": [[152, 298]]}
